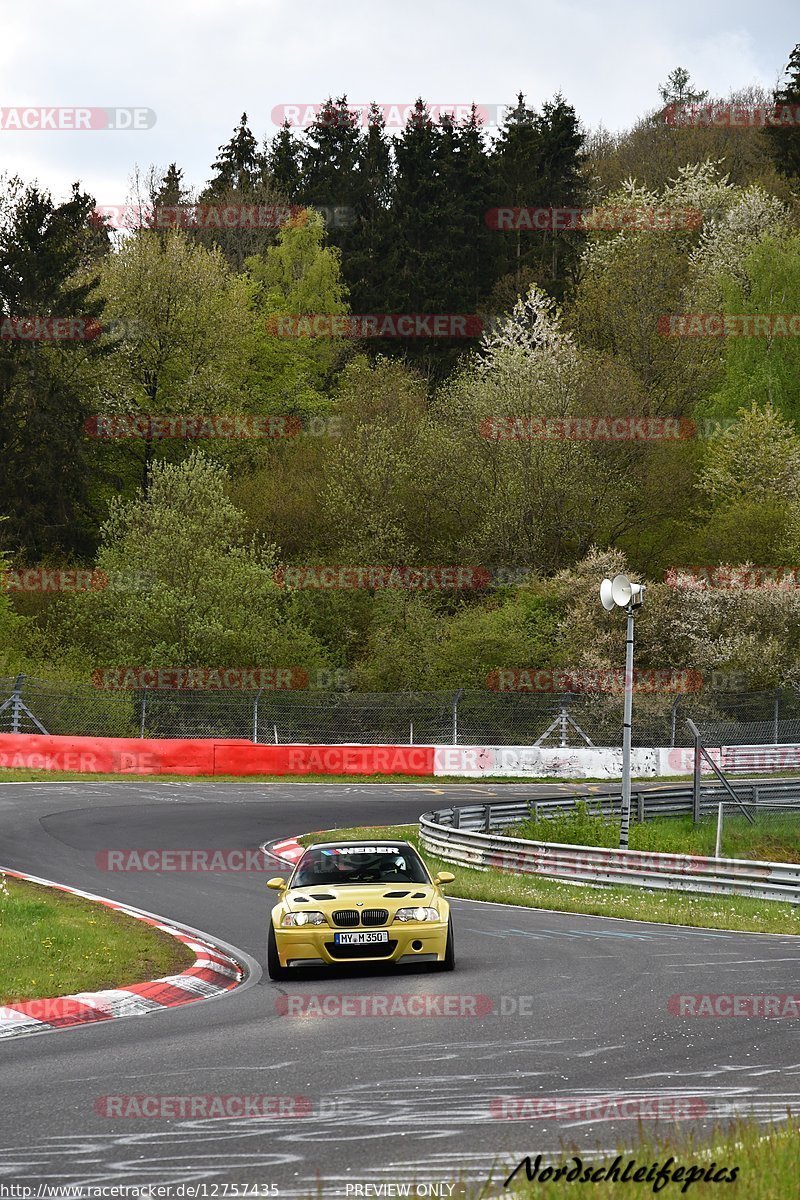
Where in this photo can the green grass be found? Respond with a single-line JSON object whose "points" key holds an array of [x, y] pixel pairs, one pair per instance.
{"points": [[739, 913], [768, 1161], [54, 944], [775, 836], [29, 775]]}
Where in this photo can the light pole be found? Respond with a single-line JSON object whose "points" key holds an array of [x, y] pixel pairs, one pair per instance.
{"points": [[619, 592]]}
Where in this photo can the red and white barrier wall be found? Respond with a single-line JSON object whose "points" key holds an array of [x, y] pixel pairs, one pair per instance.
{"points": [[188, 756]]}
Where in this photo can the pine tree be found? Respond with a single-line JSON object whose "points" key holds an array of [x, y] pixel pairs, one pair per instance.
{"points": [[242, 181], [238, 164], [283, 159], [784, 138], [562, 180], [538, 164], [45, 486], [677, 92], [365, 266]]}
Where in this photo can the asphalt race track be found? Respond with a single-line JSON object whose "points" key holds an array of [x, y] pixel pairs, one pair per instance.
{"points": [[579, 1008]]}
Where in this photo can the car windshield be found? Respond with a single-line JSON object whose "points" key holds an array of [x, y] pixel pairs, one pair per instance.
{"points": [[359, 864]]}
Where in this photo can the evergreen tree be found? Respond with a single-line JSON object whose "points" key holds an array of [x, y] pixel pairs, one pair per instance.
{"points": [[677, 91], [366, 260], [784, 138], [283, 159], [47, 256], [242, 182], [538, 164], [239, 164]]}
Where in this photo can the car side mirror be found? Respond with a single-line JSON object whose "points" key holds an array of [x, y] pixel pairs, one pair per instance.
{"points": [[277, 883], [444, 877]]}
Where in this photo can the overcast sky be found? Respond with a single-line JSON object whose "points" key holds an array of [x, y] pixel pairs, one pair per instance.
{"points": [[198, 64]]}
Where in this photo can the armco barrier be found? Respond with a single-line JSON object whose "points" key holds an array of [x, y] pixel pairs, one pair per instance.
{"points": [[442, 833], [174, 756]]}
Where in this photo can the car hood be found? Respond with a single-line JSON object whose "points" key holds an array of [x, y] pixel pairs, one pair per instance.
{"points": [[323, 898]]}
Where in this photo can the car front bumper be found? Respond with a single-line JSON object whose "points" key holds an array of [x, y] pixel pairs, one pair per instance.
{"points": [[424, 941]]}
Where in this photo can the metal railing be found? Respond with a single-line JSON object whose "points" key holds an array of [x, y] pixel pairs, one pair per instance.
{"points": [[461, 717], [467, 835]]}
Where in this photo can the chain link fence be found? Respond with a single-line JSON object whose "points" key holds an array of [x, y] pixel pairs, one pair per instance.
{"points": [[768, 829], [462, 717]]}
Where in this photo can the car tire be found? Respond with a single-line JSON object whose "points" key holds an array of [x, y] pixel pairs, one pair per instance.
{"points": [[449, 961], [274, 968]]}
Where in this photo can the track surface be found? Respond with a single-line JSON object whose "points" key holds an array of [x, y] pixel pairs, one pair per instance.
{"points": [[393, 1099]]}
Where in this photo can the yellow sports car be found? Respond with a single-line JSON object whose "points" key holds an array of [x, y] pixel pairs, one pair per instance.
{"points": [[355, 902]]}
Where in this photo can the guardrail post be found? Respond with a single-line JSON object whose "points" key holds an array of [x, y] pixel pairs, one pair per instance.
{"points": [[487, 818], [639, 807]]}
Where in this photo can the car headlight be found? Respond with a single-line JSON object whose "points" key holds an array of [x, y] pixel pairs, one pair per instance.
{"points": [[303, 918], [417, 914]]}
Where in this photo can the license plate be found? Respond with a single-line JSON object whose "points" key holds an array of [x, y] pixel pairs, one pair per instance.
{"points": [[361, 939]]}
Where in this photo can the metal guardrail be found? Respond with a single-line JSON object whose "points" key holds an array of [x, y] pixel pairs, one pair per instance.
{"points": [[466, 835]]}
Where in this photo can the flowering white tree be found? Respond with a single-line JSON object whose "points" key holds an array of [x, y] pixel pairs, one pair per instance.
{"points": [[729, 236]]}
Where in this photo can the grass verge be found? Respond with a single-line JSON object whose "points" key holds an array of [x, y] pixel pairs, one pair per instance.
{"points": [[738, 913], [31, 775], [775, 835], [55, 944]]}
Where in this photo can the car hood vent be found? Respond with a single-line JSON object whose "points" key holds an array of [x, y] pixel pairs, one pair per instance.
{"points": [[418, 896], [394, 895], [322, 896]]}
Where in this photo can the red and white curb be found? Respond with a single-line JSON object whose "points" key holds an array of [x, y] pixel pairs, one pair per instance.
{"points": [[289, 850], [213, 973]]}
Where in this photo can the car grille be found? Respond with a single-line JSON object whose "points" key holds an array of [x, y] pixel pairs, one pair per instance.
{"points": [[375, 916], [377, 950], [345, 916]]}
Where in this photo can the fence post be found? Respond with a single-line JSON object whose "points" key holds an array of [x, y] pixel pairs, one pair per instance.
{"points": [[719, 830], [143, 713], [456, 699], [16, 704], [696, 780], [255, 715], [411, 733], [674, 719], [776, 715]]}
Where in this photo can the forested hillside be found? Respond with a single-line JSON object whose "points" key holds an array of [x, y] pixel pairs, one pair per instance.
{"points": [[355, 347]]}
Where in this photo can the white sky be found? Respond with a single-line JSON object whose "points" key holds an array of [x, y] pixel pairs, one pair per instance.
{"points": [[201, 63]]}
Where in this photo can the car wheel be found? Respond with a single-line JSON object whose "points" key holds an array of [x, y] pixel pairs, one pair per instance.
{"points": [[449, 961], [274, 968]]}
